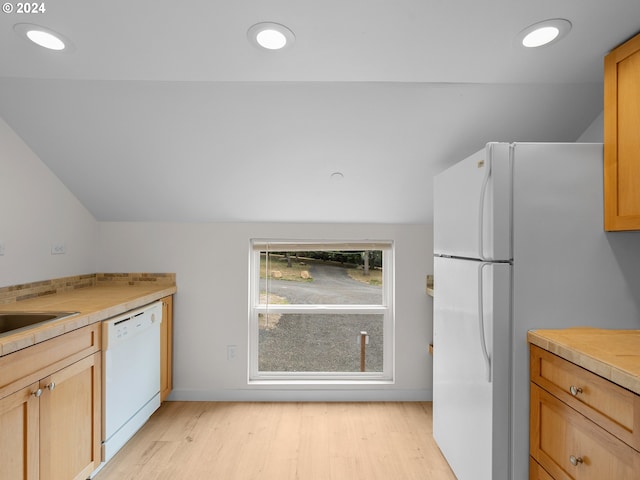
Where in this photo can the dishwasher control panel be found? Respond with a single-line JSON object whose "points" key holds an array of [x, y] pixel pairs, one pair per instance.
{"points": [[129, 324]]}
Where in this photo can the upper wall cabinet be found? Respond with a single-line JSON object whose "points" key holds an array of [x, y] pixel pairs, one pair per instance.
{"points": [[622, 137]]}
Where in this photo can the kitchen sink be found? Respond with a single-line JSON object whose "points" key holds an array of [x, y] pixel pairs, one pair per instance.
{"points": [[11, 322]]}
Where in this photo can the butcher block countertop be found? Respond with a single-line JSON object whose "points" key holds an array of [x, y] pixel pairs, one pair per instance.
{"points": [[612, 354], [93, 303]]}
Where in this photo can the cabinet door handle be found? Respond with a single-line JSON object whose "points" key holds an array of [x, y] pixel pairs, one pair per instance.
{"points": [[575, 390], [575, 461], [37, 393], [51, 386]]}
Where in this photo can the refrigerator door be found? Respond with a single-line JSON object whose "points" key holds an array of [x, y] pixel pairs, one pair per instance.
{"points": [[472, 206], [471, 367]]}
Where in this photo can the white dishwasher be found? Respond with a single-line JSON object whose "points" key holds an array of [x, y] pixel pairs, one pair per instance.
{"points": [[131, 374]]}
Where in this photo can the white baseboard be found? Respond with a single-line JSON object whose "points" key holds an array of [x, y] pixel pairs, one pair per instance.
{"points": [[303, 395]]}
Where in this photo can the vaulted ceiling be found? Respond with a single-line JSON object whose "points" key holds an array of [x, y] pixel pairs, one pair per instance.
{"points": [[164, 111]]}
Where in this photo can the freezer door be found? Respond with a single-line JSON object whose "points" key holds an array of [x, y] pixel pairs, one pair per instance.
{"points": [[472, 206], [471, 367]]}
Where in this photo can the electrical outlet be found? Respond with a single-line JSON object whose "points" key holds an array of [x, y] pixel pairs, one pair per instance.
{"points": [[58, 249], [232, 352]]}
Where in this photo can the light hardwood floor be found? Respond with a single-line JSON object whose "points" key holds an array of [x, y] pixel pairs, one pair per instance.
{"points": [[283, 441]]}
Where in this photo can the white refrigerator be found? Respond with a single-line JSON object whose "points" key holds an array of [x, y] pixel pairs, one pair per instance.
{"points": [[519, 244]]}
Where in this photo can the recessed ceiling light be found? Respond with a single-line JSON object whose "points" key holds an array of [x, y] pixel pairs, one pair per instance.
{"points": [[271, 36], [544, 33], [44, 37], [337, 176]]}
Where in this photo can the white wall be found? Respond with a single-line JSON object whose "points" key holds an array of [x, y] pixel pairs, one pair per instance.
{"points": [[36, 212], [211, 262], [211, 307], [594, 132]]}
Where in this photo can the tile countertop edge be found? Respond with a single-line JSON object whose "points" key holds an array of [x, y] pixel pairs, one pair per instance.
{"points": [[574, 354], [120, 299]]}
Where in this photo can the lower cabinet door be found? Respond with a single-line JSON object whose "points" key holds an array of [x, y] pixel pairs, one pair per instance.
{"points": [[70, 421], [19, 435], [569, 446]]}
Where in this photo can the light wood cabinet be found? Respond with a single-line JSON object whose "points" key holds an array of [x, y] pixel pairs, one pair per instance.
{"points": [[536, 472], [70, 421], [19, 435], [166, 348], [51, 428], [582, 426], [621, 145]]}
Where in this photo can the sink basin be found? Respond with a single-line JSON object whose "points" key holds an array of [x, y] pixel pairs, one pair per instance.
{"points": [[11, 322]]}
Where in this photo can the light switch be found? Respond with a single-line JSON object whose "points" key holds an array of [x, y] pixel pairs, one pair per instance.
{"points": [[232, 352]]}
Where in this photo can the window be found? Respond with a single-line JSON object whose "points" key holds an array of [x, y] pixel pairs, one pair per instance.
{"points": [[321, 311]]}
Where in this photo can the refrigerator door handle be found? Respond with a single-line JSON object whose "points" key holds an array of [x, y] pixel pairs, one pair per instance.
{"points": [[483, 191], [483, 342]]}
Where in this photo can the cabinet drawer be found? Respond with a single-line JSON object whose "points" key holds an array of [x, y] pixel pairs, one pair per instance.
{"points": [[29, 365], [614, 408], [570, 446]]}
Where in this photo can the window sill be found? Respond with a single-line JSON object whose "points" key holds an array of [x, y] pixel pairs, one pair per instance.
{"points": [[319, 383]]}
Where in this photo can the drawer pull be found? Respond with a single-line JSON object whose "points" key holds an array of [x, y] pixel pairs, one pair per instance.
{"points": [[575, 390], [575, 461]]}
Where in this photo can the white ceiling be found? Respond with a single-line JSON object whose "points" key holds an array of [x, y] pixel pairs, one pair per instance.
{"points": [[165, 111]]}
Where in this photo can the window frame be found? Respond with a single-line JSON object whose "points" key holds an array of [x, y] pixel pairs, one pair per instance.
{"points": [[386, 308]]}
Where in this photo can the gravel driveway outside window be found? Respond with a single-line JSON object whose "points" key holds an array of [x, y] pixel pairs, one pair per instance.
{"points": [[311, 342]]}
